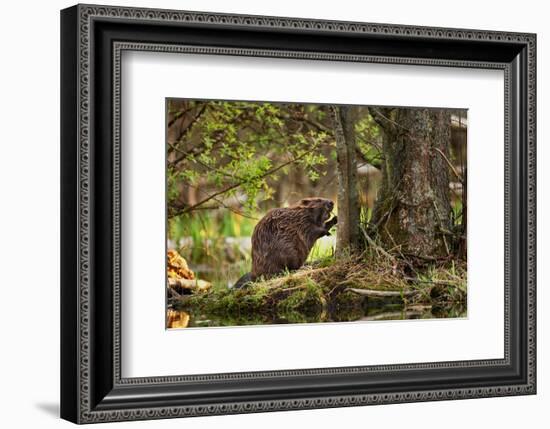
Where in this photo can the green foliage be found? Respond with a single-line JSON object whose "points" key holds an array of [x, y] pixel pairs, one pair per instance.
{"points": [[201, 239], [368, 140], [309, 299], [322, 251], [456, 206], [237, 150], [365, 215], [226, 162]]}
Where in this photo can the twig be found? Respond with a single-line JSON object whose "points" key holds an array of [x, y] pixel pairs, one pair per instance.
{"points": [[371, 142], [225, 206], [381, 293], [432, 281], [188, 284], [186, 130], [173, 293], [236, 185], [236, 211], [398, 248], [450, 165], [178, 115], [378, 112], [373, 244]]}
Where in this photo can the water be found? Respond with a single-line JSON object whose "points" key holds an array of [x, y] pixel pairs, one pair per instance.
{"points": [[188, 319], [224, 266]]}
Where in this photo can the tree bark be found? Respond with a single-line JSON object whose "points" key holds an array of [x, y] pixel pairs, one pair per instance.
{"points": [[413, 208], [463, 240], [347, 236]]}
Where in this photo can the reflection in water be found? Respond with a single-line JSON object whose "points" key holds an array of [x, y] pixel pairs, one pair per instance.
{"points": [[177, 319], [186, 319]]}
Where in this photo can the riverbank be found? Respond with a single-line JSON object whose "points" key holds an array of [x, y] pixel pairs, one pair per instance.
{"points": [[335, 290]]}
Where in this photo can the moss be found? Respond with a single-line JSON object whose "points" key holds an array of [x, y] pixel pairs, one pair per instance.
{"points": [[292, 301], [308, 299], [227, 301], [321, 292]]}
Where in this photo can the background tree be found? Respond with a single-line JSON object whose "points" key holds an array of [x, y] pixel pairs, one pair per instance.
{"points": [[413, 209], [344, 122]]}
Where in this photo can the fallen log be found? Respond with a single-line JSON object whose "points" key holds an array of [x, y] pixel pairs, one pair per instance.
{"points": [[381, 293], [189, 285], [432, 281]]}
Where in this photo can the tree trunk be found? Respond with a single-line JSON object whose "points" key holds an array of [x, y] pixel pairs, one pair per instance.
{"points": [[463, 240], [347, 235], [413, 209]]}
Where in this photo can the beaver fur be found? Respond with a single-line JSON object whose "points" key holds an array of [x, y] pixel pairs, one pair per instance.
{"points": [[283, 238]]}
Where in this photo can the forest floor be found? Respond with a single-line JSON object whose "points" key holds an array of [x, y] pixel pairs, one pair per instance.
{"points": [[339, 290]]}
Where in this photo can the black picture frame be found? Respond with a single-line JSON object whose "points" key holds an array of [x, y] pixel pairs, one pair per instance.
{"points": [[92, 38]]}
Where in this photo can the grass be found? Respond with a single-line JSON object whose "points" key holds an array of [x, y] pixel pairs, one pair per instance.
{"points": [[201, 240], [201, 235], [321, 291], [323, 250], [207, 225]]}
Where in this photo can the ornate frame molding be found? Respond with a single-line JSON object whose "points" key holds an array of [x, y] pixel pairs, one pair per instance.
{"points": [[81, 20]]}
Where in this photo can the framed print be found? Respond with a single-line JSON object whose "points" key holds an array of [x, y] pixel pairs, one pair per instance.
{"points": [[224, 223], [266, 213]]}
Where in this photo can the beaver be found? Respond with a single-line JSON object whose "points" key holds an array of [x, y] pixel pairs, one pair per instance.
{"points": [[283, 238]]}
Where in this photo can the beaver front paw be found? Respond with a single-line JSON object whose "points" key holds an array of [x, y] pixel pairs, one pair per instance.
{"points": [[330, 223]]}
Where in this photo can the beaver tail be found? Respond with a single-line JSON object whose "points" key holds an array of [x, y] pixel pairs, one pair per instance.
{"points": [[244, 281]]}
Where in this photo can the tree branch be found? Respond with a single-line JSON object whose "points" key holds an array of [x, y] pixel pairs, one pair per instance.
{"points": [[450, 165], [382, 119], [381, 293], [236, 185], [178, 115], [185, 131]]}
